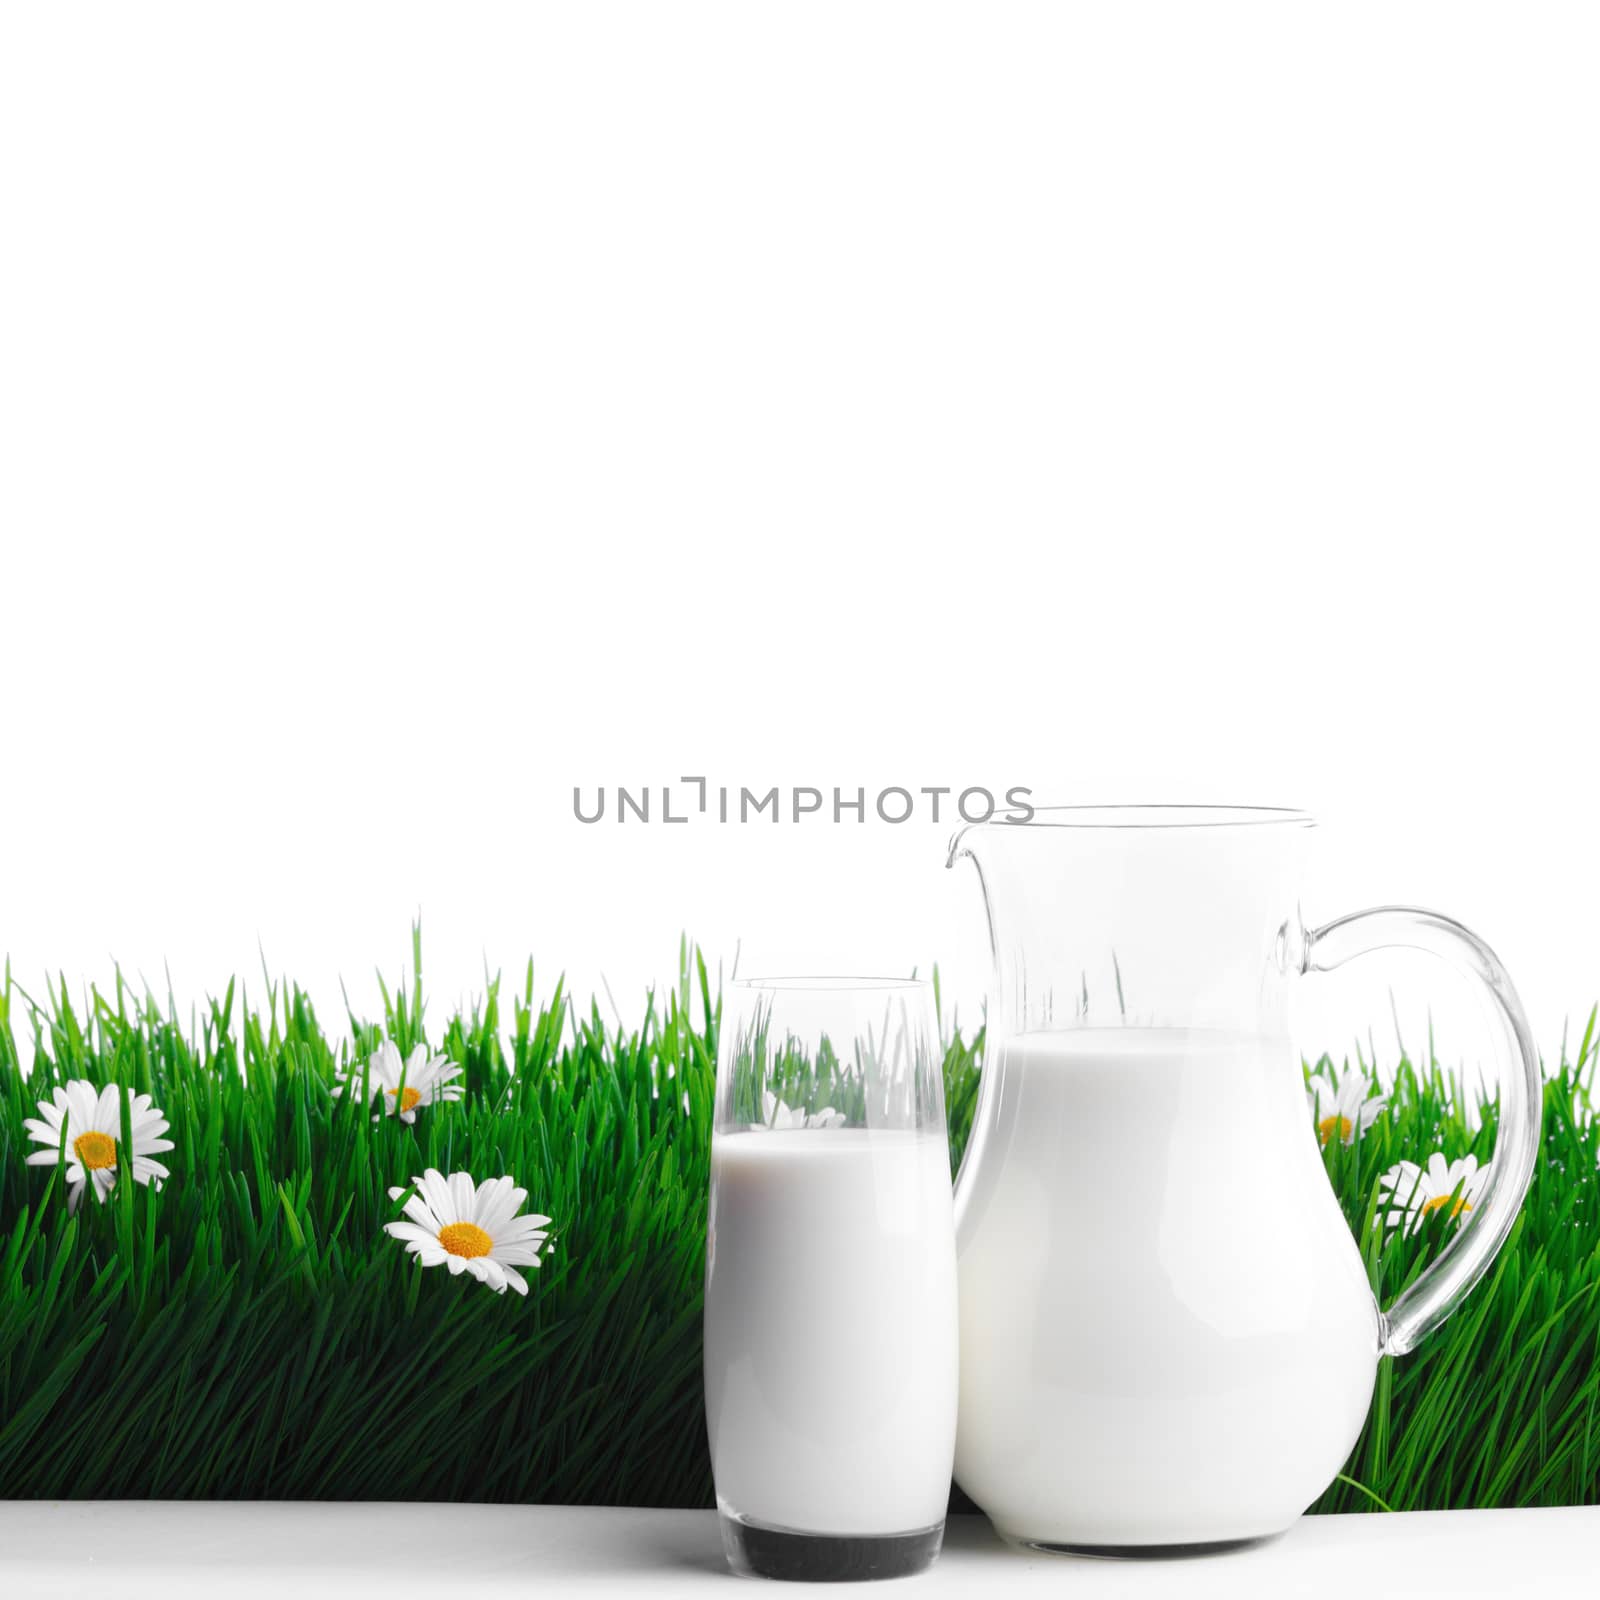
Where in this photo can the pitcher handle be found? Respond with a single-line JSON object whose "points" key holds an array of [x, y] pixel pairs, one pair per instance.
{"points": [[1446, 1283]]}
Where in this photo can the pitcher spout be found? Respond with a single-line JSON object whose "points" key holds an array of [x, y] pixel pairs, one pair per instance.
{"points": [[958, 844]]}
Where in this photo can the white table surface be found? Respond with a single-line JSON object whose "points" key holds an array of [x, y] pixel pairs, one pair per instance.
{"points": [[297, 1552]]}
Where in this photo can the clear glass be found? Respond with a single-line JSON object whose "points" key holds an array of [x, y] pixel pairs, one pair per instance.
{"points": [[1167, 1332], [830, 1304]]}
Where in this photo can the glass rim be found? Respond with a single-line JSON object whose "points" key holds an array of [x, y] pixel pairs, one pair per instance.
{"points": [[1157, 816], [841, 983]]}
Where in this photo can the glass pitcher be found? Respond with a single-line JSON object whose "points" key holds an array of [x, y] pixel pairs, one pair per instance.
{"points": [[1167, 1334]]}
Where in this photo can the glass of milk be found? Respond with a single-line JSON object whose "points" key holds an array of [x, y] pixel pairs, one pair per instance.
{"points": [[830, 1308]]}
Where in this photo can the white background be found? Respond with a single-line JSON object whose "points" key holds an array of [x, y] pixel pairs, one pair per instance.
{"points": [[408, 413]]}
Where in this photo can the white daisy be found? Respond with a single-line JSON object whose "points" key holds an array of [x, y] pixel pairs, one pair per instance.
{"points": [[1408, 1194], [1345, 1112], [93, 1128], [471, 1227], [427, 1080], [776, 1113]]}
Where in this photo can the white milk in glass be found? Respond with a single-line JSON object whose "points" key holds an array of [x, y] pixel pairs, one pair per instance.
{"points": [[1171, 1331], [830, 1329]]}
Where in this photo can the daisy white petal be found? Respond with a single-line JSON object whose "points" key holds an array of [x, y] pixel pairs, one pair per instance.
{"points": [[77, 1099], [493, 1206], [489, 1271], [437, 1191], [501, 1216], [108, 1109], [422, 1213], [520, 1255], [408, 1230], [465, 1195], [776, 1113], [521, 1225]]}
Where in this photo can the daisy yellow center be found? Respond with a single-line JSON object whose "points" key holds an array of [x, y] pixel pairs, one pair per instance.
{"points": [[1331, 1128], [1440, 1201], [465, 1239], [409, 1097], [97, 1151]]}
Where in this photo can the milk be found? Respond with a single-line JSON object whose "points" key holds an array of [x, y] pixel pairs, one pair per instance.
{"points": [[1167, 1334], [830, 1329]]}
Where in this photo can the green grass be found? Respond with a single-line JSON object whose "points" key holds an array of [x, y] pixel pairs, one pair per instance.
{"points": [[249, 1330], [1499, 1406]]}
